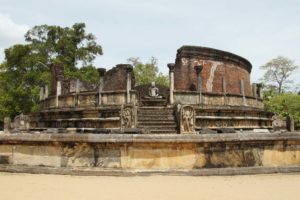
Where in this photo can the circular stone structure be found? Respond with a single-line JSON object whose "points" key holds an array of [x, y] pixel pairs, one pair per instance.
{"points": [[222, 72]]}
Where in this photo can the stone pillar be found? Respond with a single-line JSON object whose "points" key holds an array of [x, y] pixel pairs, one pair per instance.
{"points": [[42, 95], [290, 123], [223, 85], [7, 124], [242, 91], [259, 90], [101, 72], [171, 81], [128, 88], [77, 91], [77, 86], [58, 92], [46, 94], [198, 69], [254, 90]]}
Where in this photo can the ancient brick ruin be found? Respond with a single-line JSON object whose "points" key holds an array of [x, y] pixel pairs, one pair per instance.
{"points": [[115, 126], [209, 90]]}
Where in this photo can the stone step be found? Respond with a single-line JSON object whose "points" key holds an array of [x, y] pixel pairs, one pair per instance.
{"points": [[156, 119], [154, 115], [169, 127], [156, 123], [162, 131], [156, 111], [155, 107]]}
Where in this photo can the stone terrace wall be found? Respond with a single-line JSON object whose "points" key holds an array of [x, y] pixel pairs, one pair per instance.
{"points": [[150, 151]]}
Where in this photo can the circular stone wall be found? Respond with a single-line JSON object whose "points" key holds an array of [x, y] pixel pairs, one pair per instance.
{"points": [[222, 71]]}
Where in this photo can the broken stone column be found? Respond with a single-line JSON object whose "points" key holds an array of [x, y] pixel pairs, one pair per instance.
{"points": [[7, 124], [42, 90], [198, 69], [46, 92], [129, 70], [242, 92], [77, 90], [101, 72], [259, 90], [254, 90], [223, 85], [290, 123], [58, 92], [171, 77]]}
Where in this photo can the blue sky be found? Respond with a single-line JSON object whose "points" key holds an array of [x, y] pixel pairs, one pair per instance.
{"points": [[256, 30]]}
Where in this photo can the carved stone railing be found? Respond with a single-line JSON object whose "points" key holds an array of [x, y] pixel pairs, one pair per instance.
{"points": [[87, 99], [216, 99]]}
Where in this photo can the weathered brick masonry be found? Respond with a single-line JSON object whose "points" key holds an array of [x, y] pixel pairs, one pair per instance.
{"points": [[222, 71]]}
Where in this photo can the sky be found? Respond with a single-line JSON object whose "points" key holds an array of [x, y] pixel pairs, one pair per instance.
{"points": [[258, 30]]}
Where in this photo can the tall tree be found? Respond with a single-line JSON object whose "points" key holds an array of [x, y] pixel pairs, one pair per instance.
{"points": [[278, 72], [148, 72], [25, 67], [71, 46]]}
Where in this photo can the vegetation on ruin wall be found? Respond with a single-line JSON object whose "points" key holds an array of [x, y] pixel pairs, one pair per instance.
{"points": [[148, 72], [278, 87], [25, 66], [284, 105]]}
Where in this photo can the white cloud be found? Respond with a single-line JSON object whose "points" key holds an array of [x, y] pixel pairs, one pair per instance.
{"points": [[10, 32]]}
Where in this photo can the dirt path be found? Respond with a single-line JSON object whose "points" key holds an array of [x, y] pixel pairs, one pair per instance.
{"points": [[56, 187]]}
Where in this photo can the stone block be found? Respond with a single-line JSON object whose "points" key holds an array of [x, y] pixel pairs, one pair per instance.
{"points": [[78, 155], [37, 155], [108, 157], [153, 156]]}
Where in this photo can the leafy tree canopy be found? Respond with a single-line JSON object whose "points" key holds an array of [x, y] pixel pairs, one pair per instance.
{"points": [[278, 72], [25, 67], [148, 72]]}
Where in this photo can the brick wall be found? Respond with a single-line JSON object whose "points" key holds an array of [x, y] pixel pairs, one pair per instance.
{"points": [[217, 66], [116, 78]]}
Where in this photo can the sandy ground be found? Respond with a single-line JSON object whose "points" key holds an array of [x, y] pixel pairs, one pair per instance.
{"points": [[56, 187]]}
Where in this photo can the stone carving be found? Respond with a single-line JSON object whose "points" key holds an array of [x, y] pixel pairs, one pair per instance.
{"points": [[153, 91], [278, 123], [21, 122], [127, 117], [78, 155], [187, 124]]}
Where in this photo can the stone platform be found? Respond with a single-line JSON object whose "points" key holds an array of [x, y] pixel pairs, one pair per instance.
{"points": [[100, 154]]}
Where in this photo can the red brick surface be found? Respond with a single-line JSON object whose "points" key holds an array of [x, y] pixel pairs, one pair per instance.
{"points": [[185, 75]]}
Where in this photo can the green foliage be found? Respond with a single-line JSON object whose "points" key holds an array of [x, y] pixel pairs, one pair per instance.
{"points": [[146, 73], [278, 72], [284, 105], [25, 67], [71, 46]]}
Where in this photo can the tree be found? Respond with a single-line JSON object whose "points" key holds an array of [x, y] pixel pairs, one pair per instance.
{"points": [[146, 73], [25, 67], [71, 46], [278, 72]]}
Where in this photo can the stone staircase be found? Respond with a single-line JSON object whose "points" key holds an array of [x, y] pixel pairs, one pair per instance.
{"points": [[156, 120]]}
